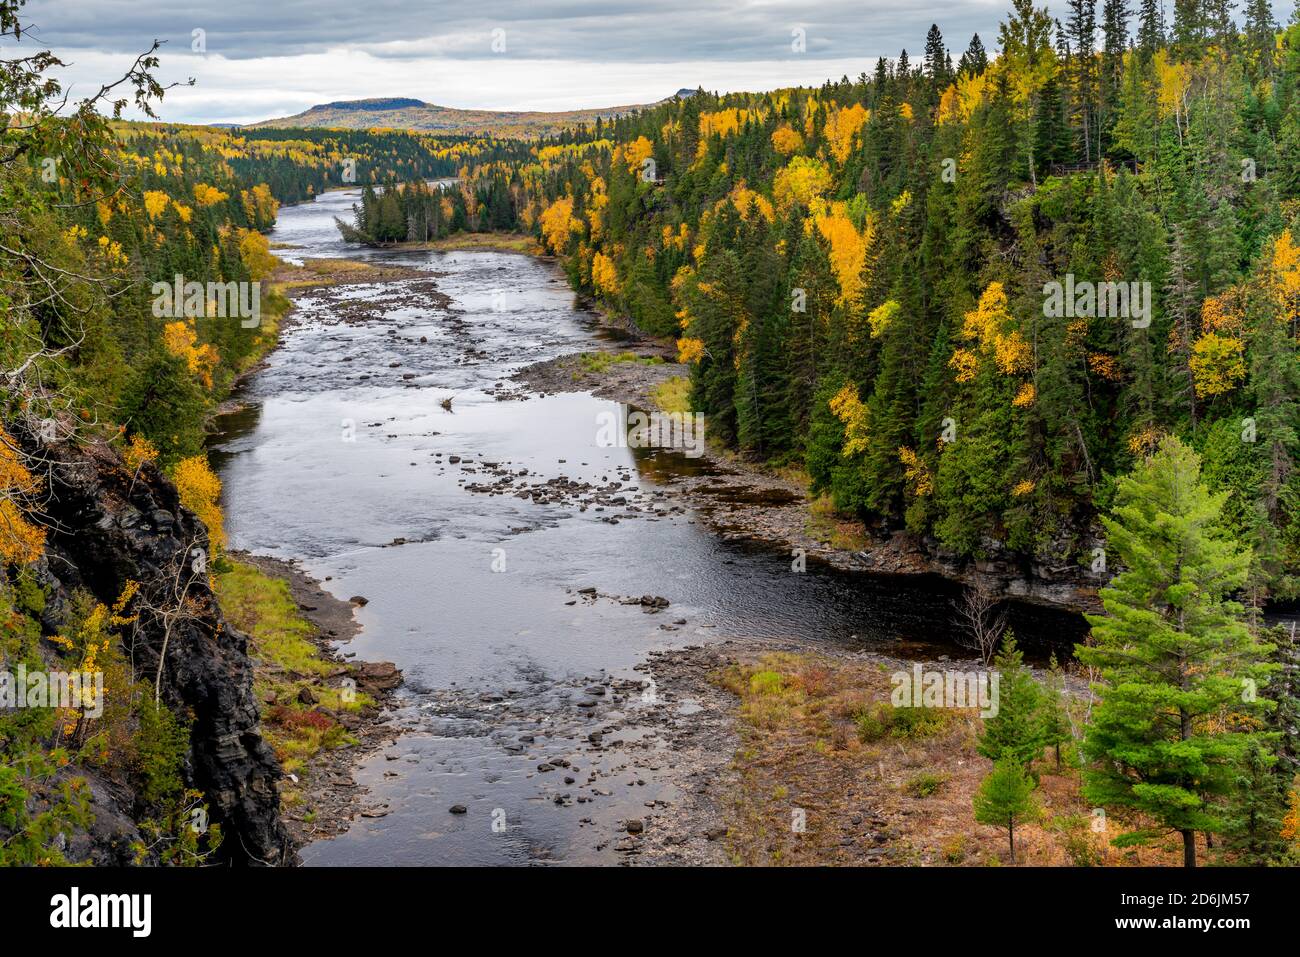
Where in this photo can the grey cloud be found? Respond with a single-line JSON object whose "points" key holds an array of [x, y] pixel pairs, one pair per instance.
{"points": [[629, 30]]}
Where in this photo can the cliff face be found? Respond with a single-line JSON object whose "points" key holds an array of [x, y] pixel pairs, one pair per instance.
{"points": [[108, 525]]}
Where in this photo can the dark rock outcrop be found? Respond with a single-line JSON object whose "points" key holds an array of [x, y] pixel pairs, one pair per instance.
{"points": [[107, 526]]}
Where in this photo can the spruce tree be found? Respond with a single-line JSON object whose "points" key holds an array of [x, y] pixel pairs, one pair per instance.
{"points": [[1151, 29], [1006, 798], [1052, 142], [1015, 733], [1054, 721], [1256, 809], [975, 60], [1174, 655], [936, 57], [1284, 691], [1082, 29], [1189, 28]]}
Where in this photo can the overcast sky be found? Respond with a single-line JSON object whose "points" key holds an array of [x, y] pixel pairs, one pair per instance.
{"points": [[265, 58]]}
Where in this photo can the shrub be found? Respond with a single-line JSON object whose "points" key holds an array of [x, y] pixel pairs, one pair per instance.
{"points": [[925, 784]]}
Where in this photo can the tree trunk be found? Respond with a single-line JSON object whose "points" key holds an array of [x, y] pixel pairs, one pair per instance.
{"points": [[1189, 848], [1011, 836]]}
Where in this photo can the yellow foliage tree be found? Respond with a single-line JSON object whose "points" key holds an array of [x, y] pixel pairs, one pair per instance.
{"points": [[21, 542], [848, 253], [786, 140], [180, 339], [604, 274], [880, 318], [155, 202], [1285, 269], [841, 126], [637, 152], [558, 225], [959, 101], [1173, 81], [745, 199], [138, 451], [690, 349], [916, 472], [1218, 363], [205, 195], [852, 411], [801, 181], [255, 252], [200, 492]]}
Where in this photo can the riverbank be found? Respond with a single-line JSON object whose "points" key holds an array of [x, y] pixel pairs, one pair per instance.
{"points": [[745, 499], [794, 756], [321, 712]]}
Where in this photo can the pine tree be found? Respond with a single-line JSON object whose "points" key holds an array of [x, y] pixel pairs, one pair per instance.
{"points": [[1284, 692], [1181, 302], [1114, 20], [1006, 798], [1259, 32], [1151, 29], [1055, 722], [936, 57], [1219, 27], [1052, 140], [1015, 733], [1173, 654], [975, 60], [1081, 29], [1256, 809], [1189, 28]]}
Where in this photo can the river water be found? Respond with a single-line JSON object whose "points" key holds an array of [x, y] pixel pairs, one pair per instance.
{"points": [[344, 445]]}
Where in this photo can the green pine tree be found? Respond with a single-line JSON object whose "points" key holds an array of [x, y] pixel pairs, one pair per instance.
{"points": [[1055, 722], [1006, 798], [1256, 809], [1015, 732], [1175, 657]]}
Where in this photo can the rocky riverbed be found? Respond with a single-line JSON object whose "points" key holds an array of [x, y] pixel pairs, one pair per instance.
{"points": [[742, 499], [560, 608]]}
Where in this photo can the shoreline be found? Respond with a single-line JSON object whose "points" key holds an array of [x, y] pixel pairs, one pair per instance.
{"points": [[744, 500], [331, 798], [718, 814]]}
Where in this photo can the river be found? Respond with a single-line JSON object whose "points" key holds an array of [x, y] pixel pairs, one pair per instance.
{"points": [[343, 446]]}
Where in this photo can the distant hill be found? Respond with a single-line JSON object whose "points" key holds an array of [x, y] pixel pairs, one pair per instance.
{"points": [[404, 113]]}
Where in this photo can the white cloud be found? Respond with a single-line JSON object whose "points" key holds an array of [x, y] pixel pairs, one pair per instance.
{"points": [[243, 91]]}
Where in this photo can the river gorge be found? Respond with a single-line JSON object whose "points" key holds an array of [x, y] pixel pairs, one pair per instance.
{"points": [[514, 568]]}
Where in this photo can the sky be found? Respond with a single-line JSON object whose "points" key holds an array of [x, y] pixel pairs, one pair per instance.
{"points": [[256, 59]]}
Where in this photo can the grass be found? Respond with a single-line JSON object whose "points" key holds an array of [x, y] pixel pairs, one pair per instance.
{"points": [[831, 527], [286, 661], [818, 733], [673, 394], [502, 242], [924, 785], [324, 272], [598, 363]]}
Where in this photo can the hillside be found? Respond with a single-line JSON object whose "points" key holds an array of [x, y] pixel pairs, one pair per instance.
{"points": [[409, 114]]}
